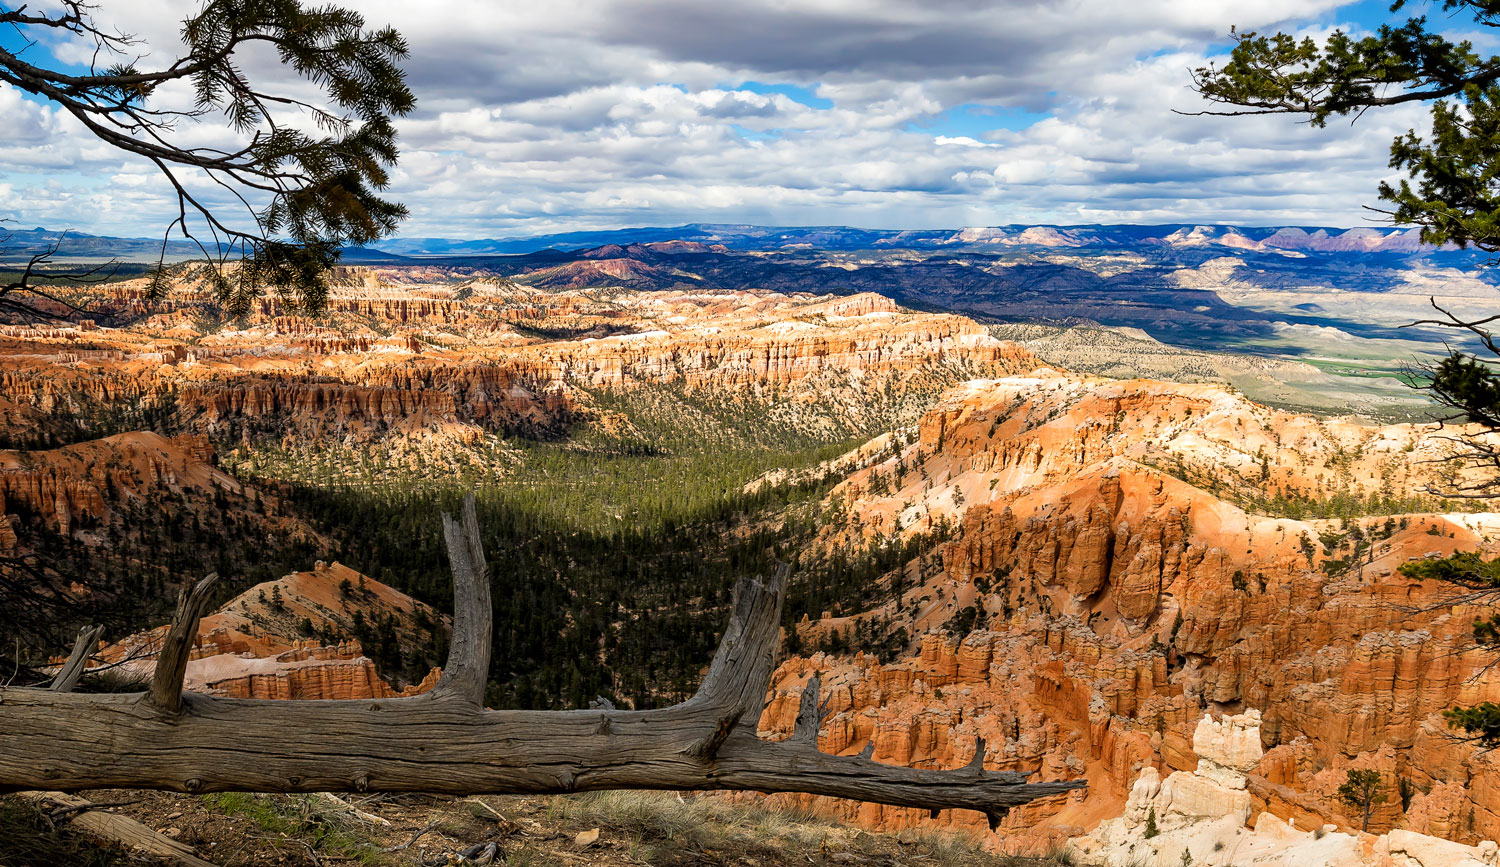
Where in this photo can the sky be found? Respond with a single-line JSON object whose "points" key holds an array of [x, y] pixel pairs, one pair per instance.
{"points": [[537, 117]]}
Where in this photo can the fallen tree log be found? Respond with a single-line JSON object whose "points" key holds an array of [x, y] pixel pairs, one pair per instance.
{"points": [[121, 829], [445, 741]]}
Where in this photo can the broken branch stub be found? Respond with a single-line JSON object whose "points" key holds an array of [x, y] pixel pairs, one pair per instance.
{"points": [[446, 742], [72, 670], [468, 668], [177, 646]]}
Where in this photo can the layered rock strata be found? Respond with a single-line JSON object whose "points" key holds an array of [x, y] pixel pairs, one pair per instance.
{"points": [[1098, 597], [255, 645], [470, 357], [1199, 817]]}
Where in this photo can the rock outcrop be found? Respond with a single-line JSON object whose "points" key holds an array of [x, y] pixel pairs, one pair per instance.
{"points": [[74, 488], [1199, 818], [255, 646], [306, 672], [1129, 555], [468, 358]]}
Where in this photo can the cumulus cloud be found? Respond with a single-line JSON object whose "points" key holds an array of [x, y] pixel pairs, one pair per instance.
{"points": [[590, 113]]}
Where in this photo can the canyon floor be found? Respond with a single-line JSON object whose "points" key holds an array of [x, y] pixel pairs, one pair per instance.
{"points": [[999, 538]]}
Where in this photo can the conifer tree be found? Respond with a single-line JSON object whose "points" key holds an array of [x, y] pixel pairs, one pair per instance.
{"points": [[1362, 791], [300, 196]]}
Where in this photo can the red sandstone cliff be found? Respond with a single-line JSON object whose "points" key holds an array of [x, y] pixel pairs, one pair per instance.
{"points": [[76, 487], [1117, 602], [472, 357]]}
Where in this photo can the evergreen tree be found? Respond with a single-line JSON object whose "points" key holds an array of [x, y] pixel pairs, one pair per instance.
{"points": [[308, 193], [1362, 791]]}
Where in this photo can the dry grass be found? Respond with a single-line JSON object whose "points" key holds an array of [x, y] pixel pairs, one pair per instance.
{"points": [[27, 840], [634, 829], [656, 822]]}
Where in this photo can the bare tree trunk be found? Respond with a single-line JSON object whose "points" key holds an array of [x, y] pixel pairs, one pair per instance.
{"points": [[445, 741]]}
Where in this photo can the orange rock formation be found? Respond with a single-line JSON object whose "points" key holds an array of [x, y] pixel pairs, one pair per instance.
{"points": [[251, 647], [1117, 602], [468, 357], [71, 488]]}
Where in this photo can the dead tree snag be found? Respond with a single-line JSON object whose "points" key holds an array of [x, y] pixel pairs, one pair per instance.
{"points": [[446, 742]]}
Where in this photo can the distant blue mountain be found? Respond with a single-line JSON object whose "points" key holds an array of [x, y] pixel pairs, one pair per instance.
{"points": [[23, 243], [747, 238]]}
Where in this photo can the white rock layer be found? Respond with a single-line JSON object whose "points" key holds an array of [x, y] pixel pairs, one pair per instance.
{"points": [[1200, 820]]}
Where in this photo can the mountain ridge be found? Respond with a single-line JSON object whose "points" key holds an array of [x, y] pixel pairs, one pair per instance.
{"points": [[750, 237], [1290, 239]]}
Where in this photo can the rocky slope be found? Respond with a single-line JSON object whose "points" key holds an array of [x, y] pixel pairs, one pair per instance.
{"points": [[79, 487], [261, 643], [1200, 817], [102, 531], [461, 359], [1124, 561], [431, 374]]}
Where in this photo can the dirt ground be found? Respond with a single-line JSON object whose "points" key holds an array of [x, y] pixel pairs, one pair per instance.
{"points": [[610, 828]]}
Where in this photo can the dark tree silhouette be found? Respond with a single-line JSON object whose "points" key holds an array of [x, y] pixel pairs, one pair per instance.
{"points": [[303, 194]]}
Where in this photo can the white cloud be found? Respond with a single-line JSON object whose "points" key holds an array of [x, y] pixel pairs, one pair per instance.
{"points": [[535, 117]]}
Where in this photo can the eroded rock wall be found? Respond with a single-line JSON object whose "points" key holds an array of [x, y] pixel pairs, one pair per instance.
{"points": [[1119, 598]]}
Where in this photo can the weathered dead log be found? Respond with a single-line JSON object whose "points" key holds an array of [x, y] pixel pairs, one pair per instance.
{"points": [[121, 829], [445, 741]]}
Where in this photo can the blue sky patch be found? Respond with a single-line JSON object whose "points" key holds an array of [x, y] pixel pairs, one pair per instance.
{"points": [[974, 120], [794, 92]]}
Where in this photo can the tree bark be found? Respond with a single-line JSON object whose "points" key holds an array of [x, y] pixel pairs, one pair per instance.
{"points": [[445, 741], [72, 670]]}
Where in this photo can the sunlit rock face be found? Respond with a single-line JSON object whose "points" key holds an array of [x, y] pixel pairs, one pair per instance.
{"points": [[1199, 817], [1114, 554], [307, 672], [73, 489], [428, 356], [254, 646]]}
